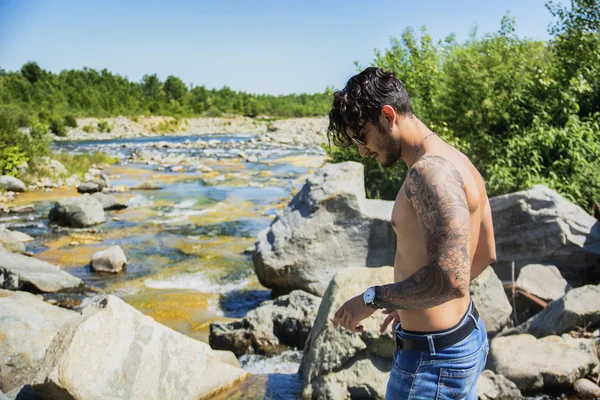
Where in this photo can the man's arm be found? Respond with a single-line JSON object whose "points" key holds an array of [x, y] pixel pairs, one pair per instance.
{"points": [[435, 190]]}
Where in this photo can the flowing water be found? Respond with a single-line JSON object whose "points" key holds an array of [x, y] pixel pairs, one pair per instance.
{"points": [[188, 245]]}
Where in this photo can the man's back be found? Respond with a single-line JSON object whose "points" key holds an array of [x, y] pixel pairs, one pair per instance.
{"points": [[411, 252]]}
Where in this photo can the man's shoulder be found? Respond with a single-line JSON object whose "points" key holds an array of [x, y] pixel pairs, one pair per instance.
{"points": [[434, 169]]}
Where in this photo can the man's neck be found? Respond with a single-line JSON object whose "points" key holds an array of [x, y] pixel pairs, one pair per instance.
{"points": [[411, 132]]}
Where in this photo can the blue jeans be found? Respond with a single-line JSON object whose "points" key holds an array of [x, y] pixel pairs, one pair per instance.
{"points": [[449, 373]]}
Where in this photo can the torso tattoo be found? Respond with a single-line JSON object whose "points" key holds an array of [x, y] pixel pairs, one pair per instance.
{"points": [[435, 189]]}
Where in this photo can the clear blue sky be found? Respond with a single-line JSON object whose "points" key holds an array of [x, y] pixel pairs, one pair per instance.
{"points": [[274, 47]]}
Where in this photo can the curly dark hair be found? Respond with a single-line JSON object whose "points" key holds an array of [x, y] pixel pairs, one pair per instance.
{"points": [[361, 101]]}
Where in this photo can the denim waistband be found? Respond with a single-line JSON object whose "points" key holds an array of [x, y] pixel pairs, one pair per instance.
{"points": [[463, 320]]}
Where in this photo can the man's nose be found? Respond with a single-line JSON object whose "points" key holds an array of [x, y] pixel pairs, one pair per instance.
{"points": [[362, 150]]}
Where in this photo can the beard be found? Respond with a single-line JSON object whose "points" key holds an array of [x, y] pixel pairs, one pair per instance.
{"points": [[391, 150]]}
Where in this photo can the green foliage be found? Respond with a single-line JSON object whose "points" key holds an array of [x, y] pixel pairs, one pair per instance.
{"points": [[57, 126], [167, 126], [70, 121], [87, 92], [16, 146], [103, 126], [89, 128], [524, 111], [79, 164]]}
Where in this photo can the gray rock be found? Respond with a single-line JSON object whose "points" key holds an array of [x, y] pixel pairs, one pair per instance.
{"points": [[90, 187], [336, 362], [128, 355], [543, 281], [586, 389], [491, 386], [551, 363], [286, 320], [77, 212], [27, 326], [109, 202], [578, 308], [540, 226], [19, 272], [111, 260], [148, 185], [490, 299], [11, 241], [327, 227], [12, 184]]}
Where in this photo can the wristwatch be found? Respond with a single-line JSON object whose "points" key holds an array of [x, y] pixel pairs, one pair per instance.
{"points": [[369, 298]]}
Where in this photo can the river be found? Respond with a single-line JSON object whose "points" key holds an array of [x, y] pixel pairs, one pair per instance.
{"points": [[188, 246]]}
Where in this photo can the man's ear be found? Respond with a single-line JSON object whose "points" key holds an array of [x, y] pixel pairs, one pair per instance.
{"points": [[389, 113]]}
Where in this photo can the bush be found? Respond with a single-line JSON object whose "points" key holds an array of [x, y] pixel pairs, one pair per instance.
{"points": [[57, 127], [88, 128], [103, 126], [16, 147], [70, 121], [213, 112]]}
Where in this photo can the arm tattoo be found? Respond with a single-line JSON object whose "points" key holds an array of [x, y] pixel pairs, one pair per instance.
{"points": [[435, 190]]}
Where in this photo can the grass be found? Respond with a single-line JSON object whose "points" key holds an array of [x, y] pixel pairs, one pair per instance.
{"points": [[167, 126], [79, 164]]}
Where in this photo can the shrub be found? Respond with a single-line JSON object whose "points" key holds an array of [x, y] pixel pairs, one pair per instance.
{"points": [[57, 127], [70, 121], [103, 126], [88, 128]]}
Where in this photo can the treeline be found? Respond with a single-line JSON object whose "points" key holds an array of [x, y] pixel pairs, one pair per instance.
{"points": [[524, 111], [33, 92]]}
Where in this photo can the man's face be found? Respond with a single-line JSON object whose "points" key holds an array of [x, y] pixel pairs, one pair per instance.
{"points": [[377, 142]]}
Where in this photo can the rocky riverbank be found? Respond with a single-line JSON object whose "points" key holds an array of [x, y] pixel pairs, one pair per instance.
{"points": [[550, 314], [308, 131]]}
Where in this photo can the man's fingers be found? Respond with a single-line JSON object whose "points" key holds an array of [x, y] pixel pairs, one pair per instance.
{"points": [[337, 316], [385, 323]]}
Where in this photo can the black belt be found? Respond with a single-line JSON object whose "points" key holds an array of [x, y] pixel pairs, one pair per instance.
{"points": [[440, 342]]}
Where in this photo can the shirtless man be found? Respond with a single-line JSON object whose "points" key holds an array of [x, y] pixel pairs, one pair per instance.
{"points": [[443, 224]]}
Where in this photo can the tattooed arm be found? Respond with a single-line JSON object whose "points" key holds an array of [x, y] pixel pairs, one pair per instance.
{"points": [[435, 190]]}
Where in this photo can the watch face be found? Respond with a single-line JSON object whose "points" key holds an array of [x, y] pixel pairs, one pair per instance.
{"points": [[369, 295]]}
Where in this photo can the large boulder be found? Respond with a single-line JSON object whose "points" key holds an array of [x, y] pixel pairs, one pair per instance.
{"points": [[543, 281], [27, 326], [19, 272], [286, 320], [109, 202], [327, 227], [11, 184], [111, 260], [78, 212], [112, 351], [490, 299], [338, 364], [491, 386], [579, 308], [552, 363], [541, 226]]}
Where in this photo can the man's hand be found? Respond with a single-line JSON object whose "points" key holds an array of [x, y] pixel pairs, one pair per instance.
{"points": [[351, 313], [392, 315]]}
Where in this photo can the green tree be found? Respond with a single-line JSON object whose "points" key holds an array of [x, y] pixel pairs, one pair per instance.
{"points": [[175, 89]]}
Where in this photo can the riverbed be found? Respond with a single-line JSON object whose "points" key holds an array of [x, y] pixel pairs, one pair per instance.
{"points": [[188, 245]]}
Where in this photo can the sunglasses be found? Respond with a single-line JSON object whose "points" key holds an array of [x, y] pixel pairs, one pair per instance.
{"points": [[356, 140]]}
